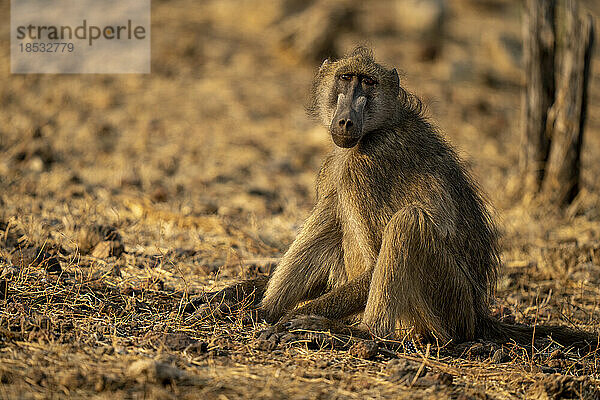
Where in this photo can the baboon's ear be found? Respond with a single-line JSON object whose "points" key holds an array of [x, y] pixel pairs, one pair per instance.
{"points": [[396, 80], [325, 62]]}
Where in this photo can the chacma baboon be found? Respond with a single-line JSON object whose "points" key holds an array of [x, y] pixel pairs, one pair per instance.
{"points": [[399, 235]]}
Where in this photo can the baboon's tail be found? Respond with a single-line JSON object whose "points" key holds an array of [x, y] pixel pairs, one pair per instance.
{"points": [[525, 335]]}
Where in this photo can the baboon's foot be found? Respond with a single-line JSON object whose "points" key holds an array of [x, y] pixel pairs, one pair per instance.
{"points": [[240, 299], [228, 303], [312, 330]]}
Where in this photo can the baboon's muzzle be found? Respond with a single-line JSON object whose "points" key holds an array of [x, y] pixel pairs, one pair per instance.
{"points": [[347, 124]]}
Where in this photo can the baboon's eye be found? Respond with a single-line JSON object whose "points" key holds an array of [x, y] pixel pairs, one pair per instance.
{"points": [[345, 77], [368, 81]]}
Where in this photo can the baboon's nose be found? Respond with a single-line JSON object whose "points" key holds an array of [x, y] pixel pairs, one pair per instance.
{"points": [[346, 123]]}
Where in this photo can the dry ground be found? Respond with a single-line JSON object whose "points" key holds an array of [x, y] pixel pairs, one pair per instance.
{"points": [[122, 196]]}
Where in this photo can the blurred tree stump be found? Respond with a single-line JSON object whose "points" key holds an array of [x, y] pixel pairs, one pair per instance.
{"points": [[557, 47], [538, 55]]}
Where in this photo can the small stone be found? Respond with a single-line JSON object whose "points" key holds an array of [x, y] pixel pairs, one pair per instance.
{"points": [[52, 265], [37, 376], [6, 377], [557, 364], [403, 371], [160, 194], [116, 271], [208, 208], [4, 260], [108, 248], [25, 257], [557, 386], [9, 271], [36, 164], [266, 345], [226, 211], [477, 349], [177, 341], [100, 383], [402, 364], [37, 257], [364, 349], [557, 355], [197, 348], [150, 371], [88, 237], [121, 351], [443, 378], [500, 356], [482, 350], [72, 379]]}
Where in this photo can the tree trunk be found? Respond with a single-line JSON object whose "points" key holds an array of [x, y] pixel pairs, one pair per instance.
{"points": [[567, 116], [553, 120], [538, 52]]}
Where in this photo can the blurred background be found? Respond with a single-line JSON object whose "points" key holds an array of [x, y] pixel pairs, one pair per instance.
{"points": [[210, 160]]}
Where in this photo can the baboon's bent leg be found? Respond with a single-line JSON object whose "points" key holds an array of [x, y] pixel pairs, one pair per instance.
{"points": [[341, 302], [417, 281], [312, 264]]}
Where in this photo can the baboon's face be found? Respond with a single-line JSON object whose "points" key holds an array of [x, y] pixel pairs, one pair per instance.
{"points": [[354, 96], [352, 90]]}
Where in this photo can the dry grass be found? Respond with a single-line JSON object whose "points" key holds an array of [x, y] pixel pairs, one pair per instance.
{"points": [[87, 330], [123, 196]]}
